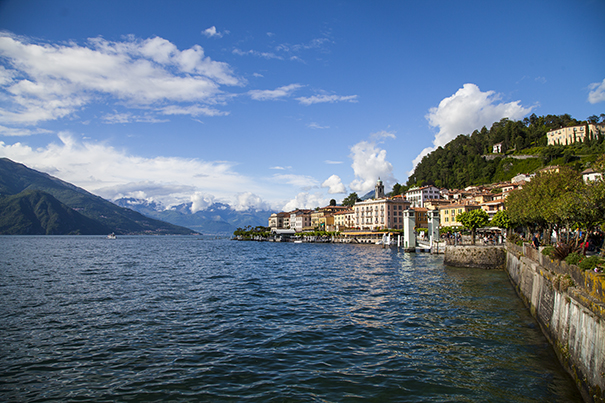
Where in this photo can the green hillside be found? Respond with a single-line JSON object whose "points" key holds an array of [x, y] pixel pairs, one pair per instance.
{"points": [[34, 212], [468, 159], [17, 179]]}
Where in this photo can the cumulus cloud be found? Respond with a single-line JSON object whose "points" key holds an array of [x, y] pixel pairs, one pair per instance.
{"points": [[316, 99], [270, 95], [112, 173], [212, 32], [201, 201], [370, 163], [334, 185], [305, 200], [249, 201], [597, 92], [467, 110], [49, 81]]}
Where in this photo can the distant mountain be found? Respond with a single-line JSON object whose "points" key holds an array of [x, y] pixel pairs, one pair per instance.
{"points": [[218, 219], [35, 202]]}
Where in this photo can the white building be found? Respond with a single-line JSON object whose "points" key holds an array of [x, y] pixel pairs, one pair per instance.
{"points": [[382, 213], [300, 219], [591, 175], [418, 195]]}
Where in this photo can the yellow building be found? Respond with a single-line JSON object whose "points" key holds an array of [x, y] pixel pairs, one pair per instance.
{"points": [[568, 135], [447, 214]]}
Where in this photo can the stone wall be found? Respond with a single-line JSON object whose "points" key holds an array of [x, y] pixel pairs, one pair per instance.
{"points": [[480, 257], [569, 305]]}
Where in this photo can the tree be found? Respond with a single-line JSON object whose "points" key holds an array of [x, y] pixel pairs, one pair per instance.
{"points": [[332, 202], [548, 201], [472, 220], [350, 200], [501, 220]]}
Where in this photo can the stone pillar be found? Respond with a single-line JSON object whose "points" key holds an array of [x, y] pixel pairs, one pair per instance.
{"points": [[409, 233], [433, 226]]}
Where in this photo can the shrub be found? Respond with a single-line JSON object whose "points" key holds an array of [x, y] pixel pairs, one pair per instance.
{"points": [[562, 250], [589, 263], [548, 251], [574, 258]]}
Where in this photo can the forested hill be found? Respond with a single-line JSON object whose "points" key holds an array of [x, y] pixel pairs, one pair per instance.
{"points": [[462, 162]]}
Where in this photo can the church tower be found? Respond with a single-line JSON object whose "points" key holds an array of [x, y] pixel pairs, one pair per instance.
{"points": [[379, 190]]}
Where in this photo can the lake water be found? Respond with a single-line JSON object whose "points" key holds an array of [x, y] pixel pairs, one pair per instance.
{"points": [[201, 319]]}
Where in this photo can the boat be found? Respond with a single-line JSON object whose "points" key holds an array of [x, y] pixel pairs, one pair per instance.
{"points": [[111, 236]]}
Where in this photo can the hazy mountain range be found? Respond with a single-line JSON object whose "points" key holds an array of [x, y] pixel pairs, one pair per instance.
{"points": [[35, 203], [217, 219]]}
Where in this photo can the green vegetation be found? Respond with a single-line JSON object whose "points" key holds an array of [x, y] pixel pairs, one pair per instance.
{"points": [[472, 220], [351, 199], [468, 159], [559, 201], [38, 213]]}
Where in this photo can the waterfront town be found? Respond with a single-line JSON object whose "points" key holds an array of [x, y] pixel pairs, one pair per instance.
{"points": [[379, 212], [382, 212]]}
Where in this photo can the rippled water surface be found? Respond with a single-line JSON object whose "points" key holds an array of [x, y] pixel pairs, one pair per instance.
{"points": [[201, 319]]}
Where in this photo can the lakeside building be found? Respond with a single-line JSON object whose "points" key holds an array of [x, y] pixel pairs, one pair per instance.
{"points": [[300, 219], [344, 220], [279, 221], [569, 135], [447, 214], [376, 214], [417, 196]]}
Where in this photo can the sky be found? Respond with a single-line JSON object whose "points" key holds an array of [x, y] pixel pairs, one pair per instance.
{"points": [[278, 104]]}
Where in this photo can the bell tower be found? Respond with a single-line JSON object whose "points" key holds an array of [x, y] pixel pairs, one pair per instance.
{"points": [[379, 190]]}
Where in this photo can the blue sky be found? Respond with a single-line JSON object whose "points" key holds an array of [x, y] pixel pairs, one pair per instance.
{"points": [[278, 105]]}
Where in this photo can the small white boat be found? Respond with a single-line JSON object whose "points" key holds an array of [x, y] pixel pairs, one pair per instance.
{"points": [[111, 236]]}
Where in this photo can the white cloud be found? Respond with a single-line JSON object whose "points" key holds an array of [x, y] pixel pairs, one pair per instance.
{"points": [[467, 110], [303, 181], [50, 81], [280, 168], [305, 200], [314, 125], [128, 117], [382, 135], [212, 32], [334, 185], [112, 173], [370, 163], [265, 55], [332, 162], [249, 201], [269, 95], [10, 131], [597, 92], [201, 201], [316, 99], [192, 110]]}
